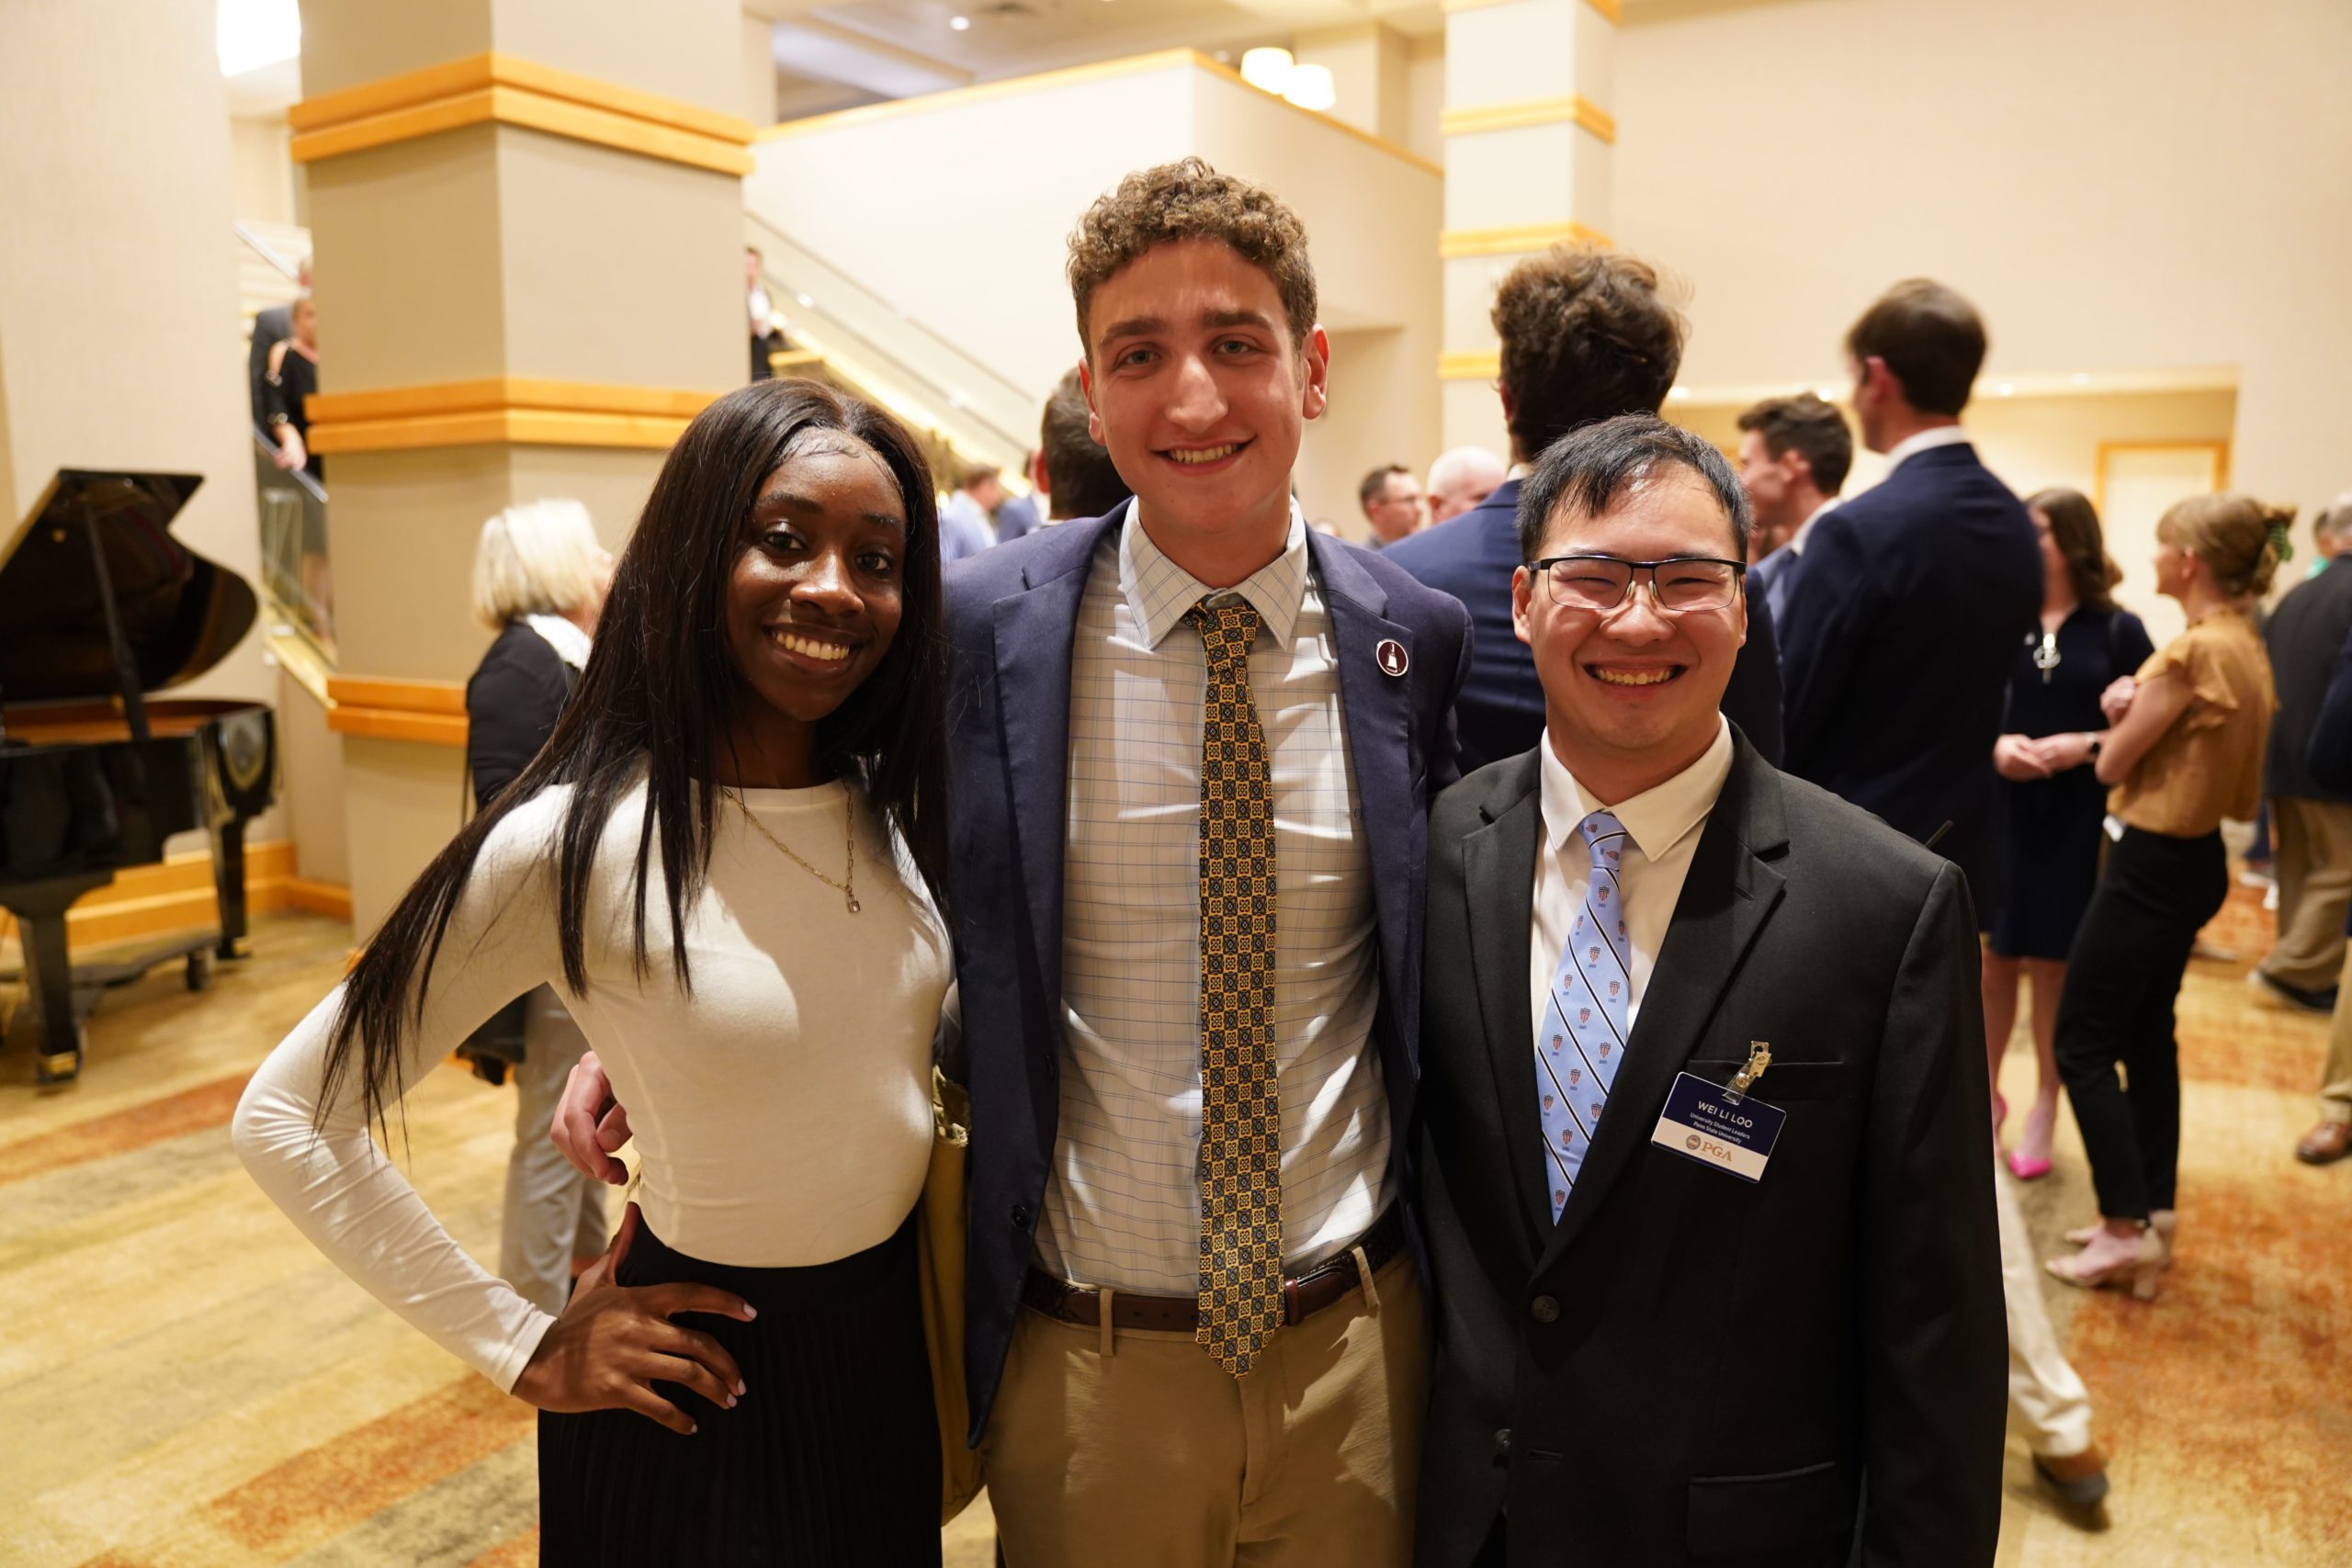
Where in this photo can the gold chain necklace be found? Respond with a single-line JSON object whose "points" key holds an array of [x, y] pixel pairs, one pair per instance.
{"points": [[846, 887]]}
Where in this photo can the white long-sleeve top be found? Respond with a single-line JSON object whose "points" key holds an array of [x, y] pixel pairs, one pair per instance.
{"points": [[783, 1109]]}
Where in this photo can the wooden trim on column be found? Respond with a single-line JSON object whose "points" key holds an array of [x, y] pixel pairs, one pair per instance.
{"points": [[432, 712], [1612, 10], [1474, 365], [1523, 239], [1577, 110], [509, 410], [501, 89]]}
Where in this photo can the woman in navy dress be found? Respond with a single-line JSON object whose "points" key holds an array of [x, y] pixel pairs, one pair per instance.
{"points": [[2053, 802]]}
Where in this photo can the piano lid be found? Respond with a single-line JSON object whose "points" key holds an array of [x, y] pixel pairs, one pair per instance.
{"points": [[181, 614]]}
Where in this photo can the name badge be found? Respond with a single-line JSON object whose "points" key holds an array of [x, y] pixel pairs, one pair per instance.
{"points": [[1707, 1122]]}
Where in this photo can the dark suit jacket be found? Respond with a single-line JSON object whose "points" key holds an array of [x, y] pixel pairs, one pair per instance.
{"points": [[2328, 758], [1769, 580], [1902, 631], [1689, 1367], [2305, 635], [1501, 712], [1012, 620], [512, 700]]}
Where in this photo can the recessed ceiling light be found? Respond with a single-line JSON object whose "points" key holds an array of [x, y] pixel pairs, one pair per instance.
{"points": [[2007, 389], [1679, 392], [960, 24], [2081, 379]]}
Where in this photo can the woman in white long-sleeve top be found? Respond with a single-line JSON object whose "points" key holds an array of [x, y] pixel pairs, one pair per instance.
{"points": [[726, 862]]}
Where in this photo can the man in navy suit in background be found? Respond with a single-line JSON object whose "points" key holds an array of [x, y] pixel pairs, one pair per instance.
{"points": [[1904, 625], [1793, 457], [1585, 337]]}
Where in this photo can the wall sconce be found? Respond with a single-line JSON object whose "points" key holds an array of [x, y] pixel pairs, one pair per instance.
{"points": [[1268, 69], [1311, 87]]}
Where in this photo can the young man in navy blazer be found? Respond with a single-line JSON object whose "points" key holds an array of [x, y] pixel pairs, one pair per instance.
{"points": [[1906, 611], [1094, 992], [1586, 335], [1704, 1120]]}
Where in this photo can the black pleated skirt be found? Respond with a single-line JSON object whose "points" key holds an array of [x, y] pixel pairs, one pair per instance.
{"points": [[832, 1456]]}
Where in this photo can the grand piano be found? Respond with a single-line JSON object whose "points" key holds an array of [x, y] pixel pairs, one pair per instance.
{"points": [[99, 605]]}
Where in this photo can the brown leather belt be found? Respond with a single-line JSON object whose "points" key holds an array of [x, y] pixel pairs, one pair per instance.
{"points": [[1301, 1298]]}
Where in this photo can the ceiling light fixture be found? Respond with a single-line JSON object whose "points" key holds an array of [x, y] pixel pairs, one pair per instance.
{"points": [[250, 34], [1266, 69], [961, 24], [2007, 389], [1311, 87]]}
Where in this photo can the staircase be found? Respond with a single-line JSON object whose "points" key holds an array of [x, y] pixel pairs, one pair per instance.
{"points": [[268, 256]]}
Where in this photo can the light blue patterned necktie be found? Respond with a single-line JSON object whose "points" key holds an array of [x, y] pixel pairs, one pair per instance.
{"points": [[1583, 1039]]}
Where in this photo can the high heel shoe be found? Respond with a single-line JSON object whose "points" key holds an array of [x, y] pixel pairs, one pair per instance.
{"points": [[2162, 1224], [2024, 1164], [2137, 1271]]}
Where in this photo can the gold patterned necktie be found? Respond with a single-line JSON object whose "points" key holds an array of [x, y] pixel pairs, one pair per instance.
{"points": [[1241, 1220]]}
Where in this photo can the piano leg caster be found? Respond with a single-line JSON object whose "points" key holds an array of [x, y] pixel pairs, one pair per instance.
{"points": [[52, 1067]]}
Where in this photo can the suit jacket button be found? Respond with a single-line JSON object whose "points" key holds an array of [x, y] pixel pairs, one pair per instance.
{"points": [[1545, 1309], [1021, 1214], [1502, 1445]]}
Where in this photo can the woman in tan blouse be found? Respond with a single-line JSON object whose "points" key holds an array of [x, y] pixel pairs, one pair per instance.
{"points": [[2184, 751]]}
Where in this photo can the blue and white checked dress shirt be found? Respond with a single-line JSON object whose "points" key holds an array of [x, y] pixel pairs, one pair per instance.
{"points": [[1123, 1205]]}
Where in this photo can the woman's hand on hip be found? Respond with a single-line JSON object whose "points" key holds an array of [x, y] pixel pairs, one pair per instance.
{"points": [[614, 1342]]}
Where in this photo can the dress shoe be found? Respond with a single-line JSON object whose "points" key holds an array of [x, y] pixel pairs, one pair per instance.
{"points": [[2268, 991], [2080, 1480], [2325, 1143]]}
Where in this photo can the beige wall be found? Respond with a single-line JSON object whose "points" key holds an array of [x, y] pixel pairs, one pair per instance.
{"points": [[120, 344], [260, 169], [997, 290], [2119, 184]]}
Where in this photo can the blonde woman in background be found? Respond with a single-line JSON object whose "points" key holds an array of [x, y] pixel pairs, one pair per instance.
{"points": [[2184, 750], [540, 576]]}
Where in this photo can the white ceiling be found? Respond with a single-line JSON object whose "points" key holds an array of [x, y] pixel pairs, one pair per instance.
{"points": [[831, 55]]}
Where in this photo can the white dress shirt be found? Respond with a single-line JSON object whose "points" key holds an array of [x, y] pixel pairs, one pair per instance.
{"points": [[1663, 823], [1123, 1200], [1795, 543], [1926, 440]]}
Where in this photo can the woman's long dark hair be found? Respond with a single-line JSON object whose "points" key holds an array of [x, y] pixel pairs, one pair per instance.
{"points": [[659, 694], [2091, 573]]}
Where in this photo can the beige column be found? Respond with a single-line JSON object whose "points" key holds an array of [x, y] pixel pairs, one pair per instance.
{"points": [[1368, 62], [526, 227], [1528, 134]]}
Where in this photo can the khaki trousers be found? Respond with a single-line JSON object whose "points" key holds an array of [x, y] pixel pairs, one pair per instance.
{"points": [[2045, 1392], [1143, 1452], [2312, 855], [553, 1213], [2336, 1079]]}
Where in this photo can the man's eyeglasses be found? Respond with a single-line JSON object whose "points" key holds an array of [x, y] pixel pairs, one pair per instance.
{"points": [[1677, 585]]}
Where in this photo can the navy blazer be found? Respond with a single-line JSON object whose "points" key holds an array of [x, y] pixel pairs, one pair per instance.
{"points": [[1501, 712], [1902, 631], [2304, 636], [1012, 623]]}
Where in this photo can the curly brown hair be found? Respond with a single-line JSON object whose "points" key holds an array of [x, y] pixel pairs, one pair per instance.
{"points": [[1189, 200], [1585, 336]]}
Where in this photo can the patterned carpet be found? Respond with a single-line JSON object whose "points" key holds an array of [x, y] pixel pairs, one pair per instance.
{"points": [[185, 1384]]}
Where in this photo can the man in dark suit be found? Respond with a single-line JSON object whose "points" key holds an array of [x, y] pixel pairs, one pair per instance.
{"points": [[1113, 1022], [1676, 1324], [2310, 826], [1904, 625], [1585, 335], [1795, 454]]}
